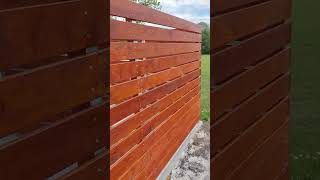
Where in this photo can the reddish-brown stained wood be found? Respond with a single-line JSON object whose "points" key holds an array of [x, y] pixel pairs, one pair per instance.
{"points": [[151, 124], [235, 153], [267, 162], [119, 167], [174, 143], [98, 168], [154, 86], [125, 71], [233, 60], [123, 129], [152, 162], [244, 85], [30, 35], [128, 9], [53, 148], [220, 6], [44, 92], [10, 4], [126, 108], [120, 92], [232, 125], [239, 24], [127, 50], [149, 161], [149, 33]]}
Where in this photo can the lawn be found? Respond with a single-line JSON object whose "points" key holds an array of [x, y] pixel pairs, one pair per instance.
{"points": [[205, 87], [305, 120]]}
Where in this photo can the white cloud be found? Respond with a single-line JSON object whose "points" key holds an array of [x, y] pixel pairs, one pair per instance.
{"points": [[192, 10]]}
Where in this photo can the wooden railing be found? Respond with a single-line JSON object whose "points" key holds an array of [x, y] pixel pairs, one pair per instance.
{"points": [[154, 87], [53, 111], [250, 89]]}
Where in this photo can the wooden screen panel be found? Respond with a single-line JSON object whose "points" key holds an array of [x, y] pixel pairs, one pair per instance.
{"points": [[227, 161], [96, 169], [136, 103], [51, 149], [155, 81], [270, 156], [241, 23], [39, 32], [247, 83], [130, 10], [120, 51], [149, 33], [238, 120], [55, 85], [229, 5], [128, 70], [250, 88], [253, 50]]}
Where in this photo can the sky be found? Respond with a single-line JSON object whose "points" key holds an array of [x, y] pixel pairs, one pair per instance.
{"points": [[192, 10]]}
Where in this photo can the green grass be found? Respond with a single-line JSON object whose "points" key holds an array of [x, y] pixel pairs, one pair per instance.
{"points": [[305, 120], [205, 87]]}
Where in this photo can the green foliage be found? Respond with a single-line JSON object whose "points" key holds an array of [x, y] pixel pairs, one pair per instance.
{"points": [[155, 4], [205, 38]]}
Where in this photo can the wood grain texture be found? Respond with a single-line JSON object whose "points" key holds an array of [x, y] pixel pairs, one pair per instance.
{"points": [[122, 72], [229, 62], [239, 24], [95, 169], [155, 83], [50, 90], [149, 33], [120, 51], [70, 140], [243, 86], [235, 122], [230, 158], [39, 32], [128, 9]]}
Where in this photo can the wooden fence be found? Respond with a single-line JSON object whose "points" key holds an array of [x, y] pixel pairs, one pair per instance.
{"points": [[154, 88], [53, 110], [250, 89]]}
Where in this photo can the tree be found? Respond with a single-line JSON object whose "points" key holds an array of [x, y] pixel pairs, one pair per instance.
{"points": [[205, 38], [155, 4]]}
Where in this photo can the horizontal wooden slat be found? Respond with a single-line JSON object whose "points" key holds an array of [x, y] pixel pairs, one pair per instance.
{"points": [[10, 4], [95, 169], [165, 147], [220, 6], [125, 71], [119, 167], [30, 35], [233, 60], [148, 125], [236, 121], [55, 147], [133, 105], [268, 160], [239, 24], [119, 31], [119, 92], [42, 93], [241, 87], [239, 150], [123, 129], [128, 50], [173, 143], [131, 10]]}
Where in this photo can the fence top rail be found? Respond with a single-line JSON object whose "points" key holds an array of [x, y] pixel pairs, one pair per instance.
{"points": [[134, 11]]}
